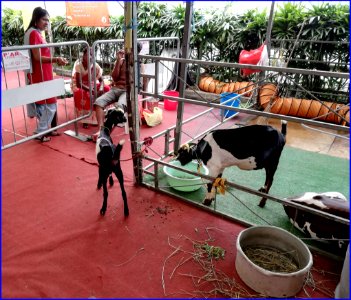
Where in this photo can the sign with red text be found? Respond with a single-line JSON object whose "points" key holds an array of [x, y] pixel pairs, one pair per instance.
{"points": [[87, 13], [16, 60]]}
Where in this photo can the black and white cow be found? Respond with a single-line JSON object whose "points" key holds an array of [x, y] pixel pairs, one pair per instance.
{"points": [[108, 156], [316, 226], [249, 148]]}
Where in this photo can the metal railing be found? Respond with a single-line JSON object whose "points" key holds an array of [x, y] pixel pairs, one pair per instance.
{"points": [[18, 124]]}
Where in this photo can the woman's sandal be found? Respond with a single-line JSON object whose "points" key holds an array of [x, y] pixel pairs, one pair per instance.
{"points": [[54, 133], [95, 136], [44, 138]]}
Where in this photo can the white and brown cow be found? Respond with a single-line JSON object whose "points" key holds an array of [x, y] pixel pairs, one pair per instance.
{"points": [[316, 226]]}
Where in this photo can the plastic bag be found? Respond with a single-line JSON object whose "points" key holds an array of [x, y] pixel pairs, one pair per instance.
{"points": [[264, 60], [253, 57], [153, 118]]}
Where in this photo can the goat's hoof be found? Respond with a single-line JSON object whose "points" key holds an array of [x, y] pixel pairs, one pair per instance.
{"points": [[126, 212], [207, 202], [99, 186], [110, 181], [102, 212]]}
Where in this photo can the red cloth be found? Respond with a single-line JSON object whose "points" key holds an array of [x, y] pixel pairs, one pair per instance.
{"points": [[82, 99], [85, 77], [41, 71]]}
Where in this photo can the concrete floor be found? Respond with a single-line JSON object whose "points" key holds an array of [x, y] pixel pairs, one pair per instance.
{"points": [[312, 138], [298, 136]]}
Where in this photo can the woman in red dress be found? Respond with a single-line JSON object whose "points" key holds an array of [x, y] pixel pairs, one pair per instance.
{"points": [[41, 68]]}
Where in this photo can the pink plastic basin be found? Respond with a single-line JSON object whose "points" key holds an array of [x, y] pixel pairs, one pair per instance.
{"points": [[170, 104]]}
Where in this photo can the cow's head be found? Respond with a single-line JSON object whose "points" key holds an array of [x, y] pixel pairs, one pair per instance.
{"points": [[114, 116], [186, 153]]}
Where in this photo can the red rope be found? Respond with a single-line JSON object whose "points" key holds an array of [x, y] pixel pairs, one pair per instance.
{"points": [[147, 142]]}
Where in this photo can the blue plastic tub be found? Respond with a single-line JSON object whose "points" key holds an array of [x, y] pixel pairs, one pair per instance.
{"points": [[226, 113]]}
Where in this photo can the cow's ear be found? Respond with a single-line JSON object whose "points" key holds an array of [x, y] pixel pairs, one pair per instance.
{"points": [[192, 145], [107, 112], [185, 147]]}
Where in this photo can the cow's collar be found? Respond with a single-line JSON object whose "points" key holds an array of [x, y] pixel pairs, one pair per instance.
{"points": [[108, 129], [201, 147]]}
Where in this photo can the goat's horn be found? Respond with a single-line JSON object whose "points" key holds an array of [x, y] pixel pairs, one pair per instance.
{"points": [[185, 147]]}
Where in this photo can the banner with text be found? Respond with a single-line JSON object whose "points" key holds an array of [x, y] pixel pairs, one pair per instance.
{"points": [[87, 13]]}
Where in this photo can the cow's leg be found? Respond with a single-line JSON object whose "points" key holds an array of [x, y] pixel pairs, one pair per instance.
{"points": [[211, 191], [209, 195], [119, 174], [99, 184], [103, 176], [270, 171], [110, 180]]}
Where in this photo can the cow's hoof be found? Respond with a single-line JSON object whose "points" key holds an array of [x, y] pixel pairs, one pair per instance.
{"points": [[110, 181], [207, 202], [262, 203], [99, 186], [126, 212]]}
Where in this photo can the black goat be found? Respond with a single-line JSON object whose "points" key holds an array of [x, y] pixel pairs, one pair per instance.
{"points": [[249, 148], [108, 156]]}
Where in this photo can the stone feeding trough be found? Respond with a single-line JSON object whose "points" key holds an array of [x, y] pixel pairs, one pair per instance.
{"points": [[272, 261]]}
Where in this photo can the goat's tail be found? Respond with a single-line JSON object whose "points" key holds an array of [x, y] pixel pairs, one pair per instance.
{"points": [[284, 125], [118, 149]]}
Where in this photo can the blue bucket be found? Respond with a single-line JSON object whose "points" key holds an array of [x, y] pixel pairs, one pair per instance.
{"points": [[226, 113]]}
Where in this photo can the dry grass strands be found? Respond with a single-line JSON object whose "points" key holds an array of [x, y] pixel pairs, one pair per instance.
{"points": [[199, 261], [201, 257], [320, 285], [272, 259], [127, 261]]}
